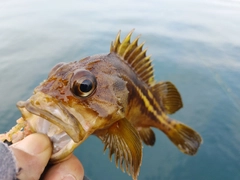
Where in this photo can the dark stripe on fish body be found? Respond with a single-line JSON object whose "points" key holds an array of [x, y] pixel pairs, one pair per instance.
{"points": [[146, 103]]}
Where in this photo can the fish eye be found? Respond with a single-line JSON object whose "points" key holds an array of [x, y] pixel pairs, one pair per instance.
{"points": [[83, 83]]}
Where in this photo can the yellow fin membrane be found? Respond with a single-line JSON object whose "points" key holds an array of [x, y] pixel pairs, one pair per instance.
{"points": [[147, 135], [185, 138], [169, 95], [123, 140]]}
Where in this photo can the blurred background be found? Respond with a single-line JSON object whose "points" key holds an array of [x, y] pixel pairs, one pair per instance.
{"points": [[194, 44]]}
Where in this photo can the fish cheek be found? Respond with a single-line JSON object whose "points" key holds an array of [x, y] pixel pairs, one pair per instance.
{"points": [[108, 97], [100, 109], [107, 114]]}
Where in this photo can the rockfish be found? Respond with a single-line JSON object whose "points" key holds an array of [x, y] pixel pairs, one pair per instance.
{"points": [[112, 96]]}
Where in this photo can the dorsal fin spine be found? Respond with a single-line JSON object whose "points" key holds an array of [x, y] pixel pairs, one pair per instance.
{"points": [[135, 53], [139, 57], [131, 48], [124, 45], [149, 79], [142, 64], [147, 63], [146, 71], [114, 46]]}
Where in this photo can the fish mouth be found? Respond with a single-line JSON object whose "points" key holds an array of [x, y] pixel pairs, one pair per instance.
{"points": [[45, 115]]}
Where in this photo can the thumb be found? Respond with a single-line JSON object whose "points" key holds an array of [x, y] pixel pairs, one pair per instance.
{"points": [[32, 155]]}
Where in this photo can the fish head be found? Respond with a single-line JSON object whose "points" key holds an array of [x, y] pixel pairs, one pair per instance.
{"points": [[75, 100]]}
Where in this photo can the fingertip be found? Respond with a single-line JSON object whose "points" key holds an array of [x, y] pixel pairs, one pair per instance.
{"points": [[32, 155], [35, 144]]}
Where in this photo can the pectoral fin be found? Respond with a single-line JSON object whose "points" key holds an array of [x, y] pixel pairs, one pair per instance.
{"points": [[123, 140], [147, 135]]}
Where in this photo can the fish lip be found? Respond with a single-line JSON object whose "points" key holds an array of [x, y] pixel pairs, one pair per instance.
{"points": [[44, 107]]}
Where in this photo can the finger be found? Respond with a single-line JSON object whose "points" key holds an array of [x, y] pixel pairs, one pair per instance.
{"points": [[32, 155], [71, 169]]}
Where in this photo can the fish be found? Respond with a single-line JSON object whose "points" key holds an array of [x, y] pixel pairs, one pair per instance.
{"points": [[113, 96]]}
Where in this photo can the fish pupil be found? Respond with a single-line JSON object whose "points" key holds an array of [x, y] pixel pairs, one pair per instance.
{"points": [[86, 86]]}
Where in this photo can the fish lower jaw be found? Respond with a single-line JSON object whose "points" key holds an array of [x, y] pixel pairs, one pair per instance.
{"points": [[59, 140], [62, 143], [41, 116]]}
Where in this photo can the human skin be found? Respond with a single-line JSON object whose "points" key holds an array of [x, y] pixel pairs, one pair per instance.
{"points": [[32, 156]]}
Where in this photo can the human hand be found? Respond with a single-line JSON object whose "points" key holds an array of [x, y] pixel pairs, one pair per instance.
{"points": [[32, 156]]}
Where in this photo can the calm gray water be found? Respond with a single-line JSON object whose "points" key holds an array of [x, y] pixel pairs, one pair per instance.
{"points": [[194, 44]]}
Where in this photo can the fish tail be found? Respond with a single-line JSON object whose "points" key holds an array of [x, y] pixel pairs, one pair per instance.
{"points": [[185, 138]]}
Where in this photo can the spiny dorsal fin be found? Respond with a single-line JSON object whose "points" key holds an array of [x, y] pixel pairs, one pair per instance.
{"points": [[169, 95], [135, 56]]}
